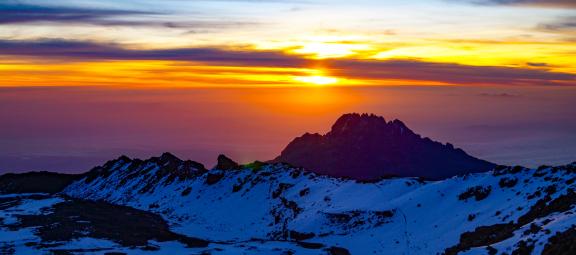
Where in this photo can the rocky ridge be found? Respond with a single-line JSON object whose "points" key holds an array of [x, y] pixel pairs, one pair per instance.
{"points": [[367, 147]]}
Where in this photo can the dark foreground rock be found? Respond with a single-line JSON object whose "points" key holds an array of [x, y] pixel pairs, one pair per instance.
{"points": [[73, 219], [35, 182]]}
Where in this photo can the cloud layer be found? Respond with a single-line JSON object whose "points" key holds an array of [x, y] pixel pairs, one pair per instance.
{"points": [[565, 24], [373, 70], [450, 73], [89, 51], [11, 13], [17, 14]]}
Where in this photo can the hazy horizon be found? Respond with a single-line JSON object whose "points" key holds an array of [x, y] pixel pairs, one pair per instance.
{"points": [[72, 129]]}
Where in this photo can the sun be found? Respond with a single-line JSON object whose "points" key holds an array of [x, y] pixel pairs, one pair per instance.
{"points": [[317, 80]]}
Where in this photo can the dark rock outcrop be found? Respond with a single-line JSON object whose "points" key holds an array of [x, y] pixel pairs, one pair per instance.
{"points": [[562, 243], [225, 163], [73, 219], [35, 182], [367, 147]]}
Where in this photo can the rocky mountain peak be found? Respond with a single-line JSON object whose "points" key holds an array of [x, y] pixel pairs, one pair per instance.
{"points": [[366, 147], [354, 124]]}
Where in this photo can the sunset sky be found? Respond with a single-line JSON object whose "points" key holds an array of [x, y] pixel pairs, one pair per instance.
{"points": [[287, 42], [82, 81]]}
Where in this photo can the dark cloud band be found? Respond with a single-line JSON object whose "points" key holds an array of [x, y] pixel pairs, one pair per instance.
{"points": [[565, 24], [11, 13], [449, 73], [88, 51]]}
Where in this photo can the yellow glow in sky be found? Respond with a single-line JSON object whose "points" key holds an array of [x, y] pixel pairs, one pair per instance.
{"points": [[317, 80]]}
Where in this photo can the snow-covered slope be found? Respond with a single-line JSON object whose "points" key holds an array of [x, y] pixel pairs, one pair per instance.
{"points": [[510, 209]]}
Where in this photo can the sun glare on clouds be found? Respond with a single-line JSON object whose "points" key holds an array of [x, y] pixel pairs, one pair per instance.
{"points": [[317, 80]]}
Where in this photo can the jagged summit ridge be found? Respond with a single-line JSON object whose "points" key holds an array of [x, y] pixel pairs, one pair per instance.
{"points": [[355, 122], [166, 168], [367, 147]]}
